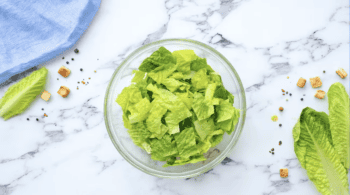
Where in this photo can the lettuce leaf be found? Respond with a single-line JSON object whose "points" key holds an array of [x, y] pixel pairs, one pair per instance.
{"points": [[204, 127], [161, 57], [19, 96], [139, 111], [338, 101], [313, 146], [129, 96], [184, 59], [163, 148], [200, 63], [200, 79], [154, 123], [201, 107], [140, 136], [186, 143], [184, 161], [139, 75], [160, 73]]}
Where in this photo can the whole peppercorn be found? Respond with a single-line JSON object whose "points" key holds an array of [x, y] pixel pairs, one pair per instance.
{"points": [[280, 125], [281, 109], [280, 143], [27, 119], [72, 59], [302, 99], [67, 62], [290, 94], [81, 69], [76, 51], [62, 58], [37, 119]]}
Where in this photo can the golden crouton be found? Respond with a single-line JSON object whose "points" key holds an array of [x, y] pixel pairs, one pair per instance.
{"points": [[320, 94], [45, 96], [341, 72], [301, 82], [316, 82], [64, 71], [63, 91], [284, 172]]}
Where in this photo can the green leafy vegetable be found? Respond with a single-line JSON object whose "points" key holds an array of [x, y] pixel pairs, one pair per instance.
{"points": [[338, 101], [19, 96], [186, 143], [161, 57], [177, 108], [313, 146], [200, 79], [184, 59]]}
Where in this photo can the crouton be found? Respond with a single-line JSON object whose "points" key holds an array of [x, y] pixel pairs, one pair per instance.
{"points": [[64, 71], [63, 91], [284, 172], [320, 94], [301, 82], [316, 82], [341, 72], [45, 96]]}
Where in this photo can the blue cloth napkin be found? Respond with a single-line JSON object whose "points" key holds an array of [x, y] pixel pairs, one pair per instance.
{"points": [[35, 31]]}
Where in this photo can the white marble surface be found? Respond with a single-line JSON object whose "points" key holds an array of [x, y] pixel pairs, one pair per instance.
{"points": [[69, 152]]}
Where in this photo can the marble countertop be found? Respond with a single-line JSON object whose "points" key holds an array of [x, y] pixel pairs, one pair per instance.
{"points": [[69, 152]]}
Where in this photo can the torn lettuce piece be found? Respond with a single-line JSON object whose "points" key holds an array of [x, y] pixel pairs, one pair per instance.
{"points": [[160, 73], [153, 122], [129, 95], [172, 84], [139, 76], [173, 119], [338, 101], [163, 148], [186, 143], [201, 107], [204, 127], [200, 79], [313, 146], [225, 111], [139, 111], [200, 63], [140, 135], [184, 59], [183, 161], [186, 98], [161, 57], [229, 125], [177, 75]]}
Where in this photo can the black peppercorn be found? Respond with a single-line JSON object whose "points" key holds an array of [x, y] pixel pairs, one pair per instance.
{"points": [[280, 125], [81, 69], [42, 109], [67, 62], [76, 51], [290, 94], [273, 153], [280, 143], [27, 119], [301, 99], [37, 119], [72, 59], [62, 58]]}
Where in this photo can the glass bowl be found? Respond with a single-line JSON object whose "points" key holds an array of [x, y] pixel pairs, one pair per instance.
{"points": [[137, 156]]}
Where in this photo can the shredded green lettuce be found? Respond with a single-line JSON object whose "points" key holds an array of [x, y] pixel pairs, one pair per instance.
{"points": [[177, 107]]}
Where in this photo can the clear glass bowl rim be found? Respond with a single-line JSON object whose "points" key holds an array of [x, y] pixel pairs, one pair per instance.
{"points": [[212, 164]]}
